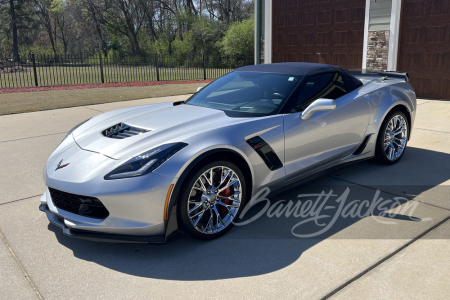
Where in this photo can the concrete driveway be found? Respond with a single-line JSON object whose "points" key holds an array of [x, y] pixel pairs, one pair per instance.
{"points": [[364, 257]]}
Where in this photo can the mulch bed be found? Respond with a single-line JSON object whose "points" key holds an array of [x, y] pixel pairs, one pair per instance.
{"points": [[94, 86]]}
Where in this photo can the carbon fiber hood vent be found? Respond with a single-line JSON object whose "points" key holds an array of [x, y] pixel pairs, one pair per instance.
{"points": [[122, 131]]}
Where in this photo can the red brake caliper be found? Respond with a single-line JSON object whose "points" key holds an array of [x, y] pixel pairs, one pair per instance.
{"points": [[225, 193]]}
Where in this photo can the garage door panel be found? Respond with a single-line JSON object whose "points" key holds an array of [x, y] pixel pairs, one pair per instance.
{"points": [[342, 15], [436, 34], [446, 87], [323, 38], [323, 58], [431, 87], [359, 14], [325, 29], [413, 35], [279, 56], [309, 57], [446, 62], [308, 18], [308, 39], [356, 37], [291, 57], [424, 50], [292, 19], [433, 61], [436, 8], [415, 9], [324, 17]]}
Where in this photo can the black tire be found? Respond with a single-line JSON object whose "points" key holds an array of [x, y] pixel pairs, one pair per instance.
{"points": [[186, 226], [380, 153]]}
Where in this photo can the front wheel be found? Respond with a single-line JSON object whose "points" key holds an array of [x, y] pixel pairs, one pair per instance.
{"points": [[392, 138], [211, 199]]}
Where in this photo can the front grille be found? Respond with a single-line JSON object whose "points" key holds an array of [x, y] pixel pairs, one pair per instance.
{"points": [[81, 205], [122, 131]]}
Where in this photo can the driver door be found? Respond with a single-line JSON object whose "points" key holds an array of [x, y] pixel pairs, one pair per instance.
{"points": [[327, 136]]}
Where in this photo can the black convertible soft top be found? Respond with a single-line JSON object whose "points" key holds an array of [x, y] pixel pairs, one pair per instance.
{"points": [[304, 69]]}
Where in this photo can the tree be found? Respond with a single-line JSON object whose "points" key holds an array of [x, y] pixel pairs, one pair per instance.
{"points": [[239, 38], [17, 24], [124, 27], [65, 27], [206, 33], [14, 30], [229, 10], [48, 23], [88, 15], [125, 17]]}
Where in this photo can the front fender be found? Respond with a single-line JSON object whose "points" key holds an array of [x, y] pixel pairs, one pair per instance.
{"points": [[230, 139]]}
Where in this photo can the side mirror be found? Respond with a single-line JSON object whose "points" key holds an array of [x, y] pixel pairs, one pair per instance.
{"points": [[199, 88], [318, 105]]}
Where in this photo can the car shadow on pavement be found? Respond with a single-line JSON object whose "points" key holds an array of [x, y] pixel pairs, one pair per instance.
{"points": [[268, 244]]}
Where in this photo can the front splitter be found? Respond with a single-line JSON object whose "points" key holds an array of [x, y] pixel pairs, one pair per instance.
{"points": [[97, 236]]}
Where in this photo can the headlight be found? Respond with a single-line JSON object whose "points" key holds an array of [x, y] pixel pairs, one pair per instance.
{"points": [[145, 162], [73, 129]]}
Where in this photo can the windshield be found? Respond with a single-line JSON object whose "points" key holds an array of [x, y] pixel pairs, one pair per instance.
{"points": [[247, 94]]}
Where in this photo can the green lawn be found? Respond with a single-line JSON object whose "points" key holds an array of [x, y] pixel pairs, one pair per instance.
{"points": [[36, 101], [66, 74]]}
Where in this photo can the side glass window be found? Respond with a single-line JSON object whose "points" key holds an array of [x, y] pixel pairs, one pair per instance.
{"points": [[329, 86]]}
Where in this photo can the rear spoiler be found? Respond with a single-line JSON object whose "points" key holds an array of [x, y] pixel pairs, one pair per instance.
{"points": [[385, 74]]}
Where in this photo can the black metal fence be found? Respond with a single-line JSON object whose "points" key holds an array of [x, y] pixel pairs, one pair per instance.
{"points": [[45, 70]]}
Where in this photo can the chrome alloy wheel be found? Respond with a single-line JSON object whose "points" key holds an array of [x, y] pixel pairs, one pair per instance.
{"points": [[395, 137], [214, 200]]}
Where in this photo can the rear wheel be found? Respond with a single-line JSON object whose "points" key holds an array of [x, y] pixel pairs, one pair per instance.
{"points": [[392, 138], [211, 199]]}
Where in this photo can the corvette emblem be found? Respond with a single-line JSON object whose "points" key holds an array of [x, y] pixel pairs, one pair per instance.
{"points": [[60, 166]]}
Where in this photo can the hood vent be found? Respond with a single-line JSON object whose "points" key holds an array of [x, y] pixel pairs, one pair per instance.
{"points": [[122, 131]]}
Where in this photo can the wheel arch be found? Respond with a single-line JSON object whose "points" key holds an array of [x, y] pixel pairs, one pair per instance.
{"points": [[234, 156], [404, 109]]}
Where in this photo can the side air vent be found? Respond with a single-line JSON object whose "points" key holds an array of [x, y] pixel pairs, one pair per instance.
{"points": [[265, 152], [122, 131], [363, 145]]}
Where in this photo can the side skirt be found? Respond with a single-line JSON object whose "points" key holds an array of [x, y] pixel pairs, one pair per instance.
{"points": [[313, 178]]}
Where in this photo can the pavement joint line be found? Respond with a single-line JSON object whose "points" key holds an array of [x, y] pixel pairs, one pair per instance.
{"points": [[431, 130], [424, 103], [32, 137], [20, 199], [437, 206], [88, 106], [369, 187], [387, 257], [20, 265], [393, 194], [93, 109]]}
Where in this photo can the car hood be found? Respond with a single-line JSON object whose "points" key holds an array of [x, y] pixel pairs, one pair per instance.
{"points": [[165, 123]]}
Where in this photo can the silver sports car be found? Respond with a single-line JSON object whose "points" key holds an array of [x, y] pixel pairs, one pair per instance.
{"points": [[142, 174]]}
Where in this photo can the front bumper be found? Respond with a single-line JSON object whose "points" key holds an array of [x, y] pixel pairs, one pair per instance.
{"points": [[136, 209], [97, 236]]}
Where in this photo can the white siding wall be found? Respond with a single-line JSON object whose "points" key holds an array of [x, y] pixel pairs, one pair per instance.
{"points": [[380, 15]]}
